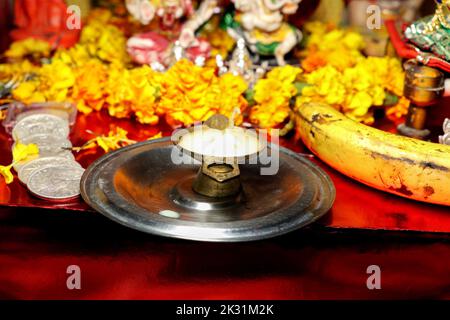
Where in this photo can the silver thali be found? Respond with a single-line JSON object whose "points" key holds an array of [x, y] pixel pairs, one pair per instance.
{"points": [[140, 186]]}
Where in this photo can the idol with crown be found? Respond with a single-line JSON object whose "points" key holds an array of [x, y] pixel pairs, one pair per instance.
{"points": [[261, 23], [157, 47], [432, 33]]}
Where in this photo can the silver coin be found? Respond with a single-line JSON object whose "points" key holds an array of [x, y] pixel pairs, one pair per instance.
{"points": [[41, 124], [58, 182], [47, 151], [46, 140], [30, 167], [50, 147], [56, 112]]}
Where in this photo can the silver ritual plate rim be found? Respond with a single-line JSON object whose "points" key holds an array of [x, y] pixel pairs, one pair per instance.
{"points": [[235, 231]]}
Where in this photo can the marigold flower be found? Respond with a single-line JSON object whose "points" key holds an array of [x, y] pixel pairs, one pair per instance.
{"points": [[27, 92], [104, 41], [191, 94], [28, 47], [17, 71], [89, 87], [399, 110], [354, 90], [272, 96], [326, 45], [113, 140], [21, 153]]}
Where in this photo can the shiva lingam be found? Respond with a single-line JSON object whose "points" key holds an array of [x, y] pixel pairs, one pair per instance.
{"points": [[197, 186], [219, 146], [424, 86]]}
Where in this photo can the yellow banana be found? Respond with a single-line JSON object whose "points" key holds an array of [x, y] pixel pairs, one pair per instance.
{"points": [[400, 165]]}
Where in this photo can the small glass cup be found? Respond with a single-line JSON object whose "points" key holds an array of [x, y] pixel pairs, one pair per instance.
{"points": [[18, 110]]}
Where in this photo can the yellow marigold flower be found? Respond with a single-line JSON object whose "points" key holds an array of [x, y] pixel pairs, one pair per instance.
{"points": [[378, 95], [327, 83], [105, 41], [285, 74], [317, 27], [353, 40], [115, 139], [267, 116], [56, 79], [21, 153], [326, 45], [355, 89], [77, 55], [358, 104], [24, 152], [272, 96], [89, 88], [16, 70], [221, 42], [190, 93], [229, 96], [58, 75], [399, 110], [144, 92], [27, 92], [119, 93], [132, 92], [28, 47], [52, 84], [5, 171]]}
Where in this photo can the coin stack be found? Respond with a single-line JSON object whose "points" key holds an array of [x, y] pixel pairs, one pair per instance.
{"points": [[54, 175]]}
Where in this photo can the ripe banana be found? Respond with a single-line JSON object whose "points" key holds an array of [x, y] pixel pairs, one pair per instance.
{"points": [[400, 165]]}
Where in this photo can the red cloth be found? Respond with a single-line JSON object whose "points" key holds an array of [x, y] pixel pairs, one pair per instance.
{"points": [[5, 25], [37, 246], [45, 20]]}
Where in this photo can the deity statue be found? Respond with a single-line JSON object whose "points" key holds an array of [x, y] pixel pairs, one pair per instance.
{"points": [[157, 46], [432, 33], [261, 23], [45, 20]]}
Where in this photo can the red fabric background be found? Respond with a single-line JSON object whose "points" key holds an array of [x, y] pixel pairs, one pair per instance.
{"points": [[36, 247]]}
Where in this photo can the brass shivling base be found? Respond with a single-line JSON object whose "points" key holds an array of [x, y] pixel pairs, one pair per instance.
{"points": [[217, 180], [183, 194]]}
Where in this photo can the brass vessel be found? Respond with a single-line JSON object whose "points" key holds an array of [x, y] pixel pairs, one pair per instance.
{"points": [[424, 86]]}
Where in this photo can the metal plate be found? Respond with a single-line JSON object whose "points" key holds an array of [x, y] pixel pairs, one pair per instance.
{"points": [[137, 186]]}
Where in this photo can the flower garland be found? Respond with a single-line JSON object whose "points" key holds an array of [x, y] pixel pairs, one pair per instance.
{"points": [[29, 47], [272, 97], [356, 89], [336, 72], [97, 74], [190, 94]]}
